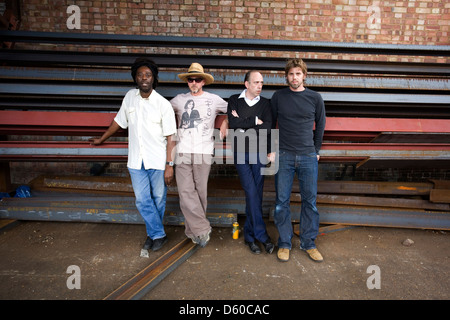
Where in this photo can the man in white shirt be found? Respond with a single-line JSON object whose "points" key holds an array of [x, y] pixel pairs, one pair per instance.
{"points": [[196, 113], [150, 121]]}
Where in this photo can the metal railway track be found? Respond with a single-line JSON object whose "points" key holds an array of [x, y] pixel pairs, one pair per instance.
{"points": [[139, 285]]}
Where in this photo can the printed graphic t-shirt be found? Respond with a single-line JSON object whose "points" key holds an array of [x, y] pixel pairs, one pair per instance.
{"points": [[195, 121]]}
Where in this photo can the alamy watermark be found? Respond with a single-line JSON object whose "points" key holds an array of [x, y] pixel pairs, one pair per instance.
{"points": [[255, 143], [374, 21], [74, 20], [374, 280], [74, 280]]}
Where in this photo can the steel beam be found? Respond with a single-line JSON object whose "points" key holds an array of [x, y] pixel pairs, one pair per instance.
{"points": [[221, 43], [85, 122], [231, 187], [90, 211], [378, 217], [119, 91], [118, 76], [149, 277], [64, 58]]}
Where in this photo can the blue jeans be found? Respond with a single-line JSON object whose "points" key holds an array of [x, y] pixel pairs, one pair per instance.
{"points": [[306, 168], [150, 191], [249, 167]]}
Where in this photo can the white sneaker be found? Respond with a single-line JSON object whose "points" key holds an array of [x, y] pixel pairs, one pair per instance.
{"points": [[204, 239]]}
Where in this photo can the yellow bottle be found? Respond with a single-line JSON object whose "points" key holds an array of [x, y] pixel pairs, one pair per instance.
{"points": [[235, 230]]}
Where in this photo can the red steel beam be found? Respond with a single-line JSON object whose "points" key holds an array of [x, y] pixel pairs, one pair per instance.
{"points": [[56, 118], [60, 144], [325, 146], [55, 123], [387, 124], [387, 146], [103, 120]]}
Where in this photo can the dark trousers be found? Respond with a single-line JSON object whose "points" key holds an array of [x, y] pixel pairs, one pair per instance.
{"points": [[249, 169]]}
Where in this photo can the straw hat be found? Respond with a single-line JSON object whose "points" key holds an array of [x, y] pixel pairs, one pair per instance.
{"points": [[196, 70]]}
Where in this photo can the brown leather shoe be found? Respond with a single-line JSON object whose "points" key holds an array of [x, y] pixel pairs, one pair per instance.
{"points": [[283, 254], [315, 255]]}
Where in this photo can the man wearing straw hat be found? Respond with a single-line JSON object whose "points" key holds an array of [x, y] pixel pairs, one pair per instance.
{"points": [[196, 112]]}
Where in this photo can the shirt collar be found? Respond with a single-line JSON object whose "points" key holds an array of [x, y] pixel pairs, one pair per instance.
{"points": [[138, 94], [250, 102]]}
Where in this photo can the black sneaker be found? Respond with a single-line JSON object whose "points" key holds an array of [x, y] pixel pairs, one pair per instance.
{"points": [[158, 243], [148, 243], [253, 247]]}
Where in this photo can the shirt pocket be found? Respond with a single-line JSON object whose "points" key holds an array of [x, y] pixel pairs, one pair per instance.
{"points": [[132, 115]]}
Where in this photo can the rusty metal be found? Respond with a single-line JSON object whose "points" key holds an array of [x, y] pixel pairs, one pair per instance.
{"points": [[118, 76], [373, 187], [138, 286], [99, 184], [324, 229], [111, 210], [440, 195], [378, 217], [230, 186], [344, 202], [376, 201], [83, 123]]}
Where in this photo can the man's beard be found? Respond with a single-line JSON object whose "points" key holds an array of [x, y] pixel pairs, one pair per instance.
{"points": [[296, 85], [145, 89]]}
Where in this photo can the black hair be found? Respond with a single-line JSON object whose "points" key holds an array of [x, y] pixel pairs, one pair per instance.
{"points": [[139, 62], [248, 74]]}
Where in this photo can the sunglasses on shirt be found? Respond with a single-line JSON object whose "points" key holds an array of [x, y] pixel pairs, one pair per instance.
{"points": [[197, 80]]}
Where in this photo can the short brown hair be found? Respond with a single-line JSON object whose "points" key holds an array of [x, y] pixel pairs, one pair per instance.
{"points": [[295, 63]]}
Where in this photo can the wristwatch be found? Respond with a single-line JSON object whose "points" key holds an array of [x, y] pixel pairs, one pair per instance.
{"points": [[170, 163]]}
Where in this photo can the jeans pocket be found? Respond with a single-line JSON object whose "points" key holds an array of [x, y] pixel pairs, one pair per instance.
{"points": [[312, 155]]}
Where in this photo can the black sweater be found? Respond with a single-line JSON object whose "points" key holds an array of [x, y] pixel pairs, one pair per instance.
{"points": [[247, 120], [297, 113]]}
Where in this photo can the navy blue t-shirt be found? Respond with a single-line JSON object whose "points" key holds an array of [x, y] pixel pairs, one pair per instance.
{"points": [[296, 114]]}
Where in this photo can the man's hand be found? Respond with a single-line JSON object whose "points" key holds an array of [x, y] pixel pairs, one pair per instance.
{"points": [[271, 156], [113, 128], [168, 175], [95, 141], [224, 129]]}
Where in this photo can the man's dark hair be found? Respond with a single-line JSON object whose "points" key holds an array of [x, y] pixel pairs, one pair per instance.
{"points": [[139, 62], [248, 74]]}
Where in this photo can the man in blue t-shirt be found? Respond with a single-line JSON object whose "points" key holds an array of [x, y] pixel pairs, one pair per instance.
{"points": [[300, 114]]}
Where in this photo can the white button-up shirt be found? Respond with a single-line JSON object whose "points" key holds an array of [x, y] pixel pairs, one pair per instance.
{"points": [[252, 102], [149, 121]]}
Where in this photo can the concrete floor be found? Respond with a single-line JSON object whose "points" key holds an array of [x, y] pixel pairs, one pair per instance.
{"points": [[35, 257]]}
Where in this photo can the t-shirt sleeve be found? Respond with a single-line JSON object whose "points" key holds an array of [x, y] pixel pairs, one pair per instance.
{"points": [[168, 120], [222, 105]]}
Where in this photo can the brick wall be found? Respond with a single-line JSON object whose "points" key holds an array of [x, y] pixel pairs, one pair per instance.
{"points": [[421, 22]]}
